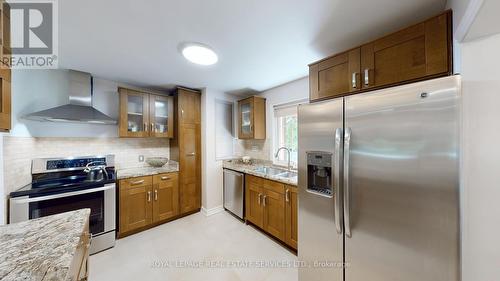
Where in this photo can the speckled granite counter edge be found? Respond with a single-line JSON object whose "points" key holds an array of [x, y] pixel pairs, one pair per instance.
{"points": [[250, 169], [43, 248], [134, 172]]}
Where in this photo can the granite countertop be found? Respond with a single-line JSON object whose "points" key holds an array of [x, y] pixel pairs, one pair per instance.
{"points": [[126, 173], [43, 248], [238, 165]]}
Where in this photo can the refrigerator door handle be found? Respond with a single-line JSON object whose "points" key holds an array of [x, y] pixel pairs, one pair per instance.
{"points": [[347, 188], [337, 179]]}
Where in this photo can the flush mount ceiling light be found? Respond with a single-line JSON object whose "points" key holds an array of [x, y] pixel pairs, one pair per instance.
{"points": [[199, 54]]}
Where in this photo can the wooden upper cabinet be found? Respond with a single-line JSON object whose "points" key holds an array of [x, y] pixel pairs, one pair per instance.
{"points": [[5, 73], [5, 100], [252, 118], [417, 52], [189, 107], [161, 119], [145, 115], [335, 76], [134, 113], [421, 51]]}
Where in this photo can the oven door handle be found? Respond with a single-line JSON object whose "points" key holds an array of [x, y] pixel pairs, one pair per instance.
{"points": [[61, 195]]}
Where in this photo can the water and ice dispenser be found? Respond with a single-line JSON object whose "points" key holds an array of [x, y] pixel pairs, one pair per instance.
{"points": [[319, 173]]}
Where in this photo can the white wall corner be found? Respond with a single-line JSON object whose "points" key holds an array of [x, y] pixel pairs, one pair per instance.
{"points": [[212, 211], [465, 22]]}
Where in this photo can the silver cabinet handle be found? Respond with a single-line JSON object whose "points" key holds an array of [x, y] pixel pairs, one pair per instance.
{"points": [[149, 196], [191, 154], [264, 200], [165, 178], [145, 127], [367, 77], [259, 199], [156, 194], [354, 80], [337, 191], [347, 188], [137, 182], [153, 127], [287, 196]]}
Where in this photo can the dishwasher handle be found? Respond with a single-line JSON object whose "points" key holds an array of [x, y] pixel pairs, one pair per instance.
{"points": [[227, 171]]}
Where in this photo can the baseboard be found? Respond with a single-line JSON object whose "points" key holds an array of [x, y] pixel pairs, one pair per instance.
{"points": [[212, 211]]}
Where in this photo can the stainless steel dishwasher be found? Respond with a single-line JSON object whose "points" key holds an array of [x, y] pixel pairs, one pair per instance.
{"points": [[234, 192]]}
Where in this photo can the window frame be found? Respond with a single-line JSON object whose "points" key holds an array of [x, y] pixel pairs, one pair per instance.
{"points": [[276, 132]]}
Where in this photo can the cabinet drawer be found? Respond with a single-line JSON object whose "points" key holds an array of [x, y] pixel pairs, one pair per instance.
{"points": [[168, 177], [136, 182], [254, 179], [274, 186]]}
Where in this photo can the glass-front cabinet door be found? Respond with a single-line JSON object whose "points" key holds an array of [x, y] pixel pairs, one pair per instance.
{"points": [[246, 118], [161, 116], [134, 113]]}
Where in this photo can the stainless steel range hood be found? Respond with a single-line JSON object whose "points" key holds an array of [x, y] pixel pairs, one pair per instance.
{"points": [[79, 109]]}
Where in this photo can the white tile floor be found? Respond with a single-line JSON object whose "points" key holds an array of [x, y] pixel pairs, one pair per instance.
{"points": [[159, 253]]}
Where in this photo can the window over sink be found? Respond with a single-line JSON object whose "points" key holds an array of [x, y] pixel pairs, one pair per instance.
{"points": [[285, 122]]}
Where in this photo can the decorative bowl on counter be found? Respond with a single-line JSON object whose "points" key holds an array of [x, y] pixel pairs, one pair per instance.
{"points": [[157, 161], [246, 159]]}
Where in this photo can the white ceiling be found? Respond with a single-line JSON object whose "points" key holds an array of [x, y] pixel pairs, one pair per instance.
{"points": [[260, 43]]}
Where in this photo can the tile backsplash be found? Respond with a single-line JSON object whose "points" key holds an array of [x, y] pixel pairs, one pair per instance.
{"points": [[19, 151], [257, 149]]}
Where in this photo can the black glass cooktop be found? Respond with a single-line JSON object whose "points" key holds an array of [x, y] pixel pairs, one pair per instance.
{"points": [[53, 183]]}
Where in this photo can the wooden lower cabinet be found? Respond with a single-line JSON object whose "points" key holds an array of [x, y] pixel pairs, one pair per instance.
{"points": [[253, 198], [274, 213], [135, 203], [291, 216], [268, 206], [146, 201], [166, 197]]}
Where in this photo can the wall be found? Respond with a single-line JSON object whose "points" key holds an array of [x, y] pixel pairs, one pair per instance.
{"points": [[34, 90], [289, 92], [459, 8], [19, 151], [481, 154], [212, 178]]}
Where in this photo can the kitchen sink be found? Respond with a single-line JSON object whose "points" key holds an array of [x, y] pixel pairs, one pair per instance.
{"points": [[287, 175], [270, 171]]}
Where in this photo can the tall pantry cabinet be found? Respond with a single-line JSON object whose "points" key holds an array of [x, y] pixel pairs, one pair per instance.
{"points": [[185, 148]]}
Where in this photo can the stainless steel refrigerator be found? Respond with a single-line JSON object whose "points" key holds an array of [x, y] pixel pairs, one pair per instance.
{"points": [[379, 185]]}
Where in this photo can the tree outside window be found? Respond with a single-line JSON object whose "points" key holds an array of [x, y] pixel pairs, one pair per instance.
{"points": [[287, 137]]}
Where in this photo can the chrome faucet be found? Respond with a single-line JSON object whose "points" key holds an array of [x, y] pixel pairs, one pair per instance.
{"points": [[288, 150]]}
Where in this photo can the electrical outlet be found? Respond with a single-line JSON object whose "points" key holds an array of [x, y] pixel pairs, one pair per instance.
{"points": [[255, 148], [141, 158]]}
